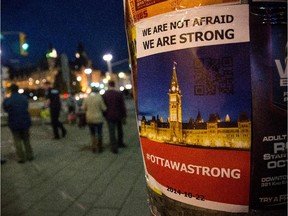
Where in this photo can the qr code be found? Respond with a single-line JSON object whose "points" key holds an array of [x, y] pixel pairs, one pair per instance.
{"points": [[213, 76]]}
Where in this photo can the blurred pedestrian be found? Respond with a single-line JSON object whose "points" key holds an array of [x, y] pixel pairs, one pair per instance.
{"points": [[19, 122], [115, 115], [94, 108], [54, 103], [72, 108]]}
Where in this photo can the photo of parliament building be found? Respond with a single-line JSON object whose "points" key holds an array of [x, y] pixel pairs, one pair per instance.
{"points": [[213, 133]]}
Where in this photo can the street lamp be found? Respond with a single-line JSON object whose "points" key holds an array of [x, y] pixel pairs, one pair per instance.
{"points": [[88, 71], [108, 58]]}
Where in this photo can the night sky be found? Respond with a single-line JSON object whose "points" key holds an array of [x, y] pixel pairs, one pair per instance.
{"points": [[155, 74], [97, 24]]}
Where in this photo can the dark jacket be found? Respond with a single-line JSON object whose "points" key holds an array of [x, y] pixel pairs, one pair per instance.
{"points": [[17, 108], [55, 102], [116, 110]]}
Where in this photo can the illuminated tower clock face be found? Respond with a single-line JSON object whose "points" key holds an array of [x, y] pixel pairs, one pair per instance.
{"points": [[173, 98], [173, 88]]}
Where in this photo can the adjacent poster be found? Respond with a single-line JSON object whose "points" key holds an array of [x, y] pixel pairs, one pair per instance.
{"points": [[142, 9], [194, 106], [270, 96]]}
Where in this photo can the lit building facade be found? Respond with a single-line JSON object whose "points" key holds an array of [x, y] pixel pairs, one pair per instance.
{"points": [[212, 133], [85, 80], [33, 81]]}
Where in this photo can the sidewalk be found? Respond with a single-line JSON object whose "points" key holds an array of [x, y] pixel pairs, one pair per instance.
{"points": [[67, 179]]}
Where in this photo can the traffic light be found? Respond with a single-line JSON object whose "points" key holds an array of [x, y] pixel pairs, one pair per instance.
{"points": [[23, 44]]}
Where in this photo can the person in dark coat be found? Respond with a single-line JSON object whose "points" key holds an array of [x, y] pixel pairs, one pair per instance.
{"points": [[54, 103], [19, 122], [115, 115]]}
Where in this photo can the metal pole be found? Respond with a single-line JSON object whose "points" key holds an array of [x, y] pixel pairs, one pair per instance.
{"points": [[109, 66]]}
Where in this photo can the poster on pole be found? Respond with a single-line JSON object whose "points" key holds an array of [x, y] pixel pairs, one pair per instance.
{"points": [[194, 106]]}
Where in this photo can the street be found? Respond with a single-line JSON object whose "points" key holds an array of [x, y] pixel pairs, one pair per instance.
{"points": [[67, 179]]}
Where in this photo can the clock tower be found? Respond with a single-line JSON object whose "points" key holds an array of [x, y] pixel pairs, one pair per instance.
{"points": [[175, 108]]}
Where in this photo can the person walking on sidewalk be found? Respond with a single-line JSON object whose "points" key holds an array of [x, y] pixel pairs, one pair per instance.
{"points": [[72, 108], [19, 122], [94, 107], [116, 115], [54, 103]]}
